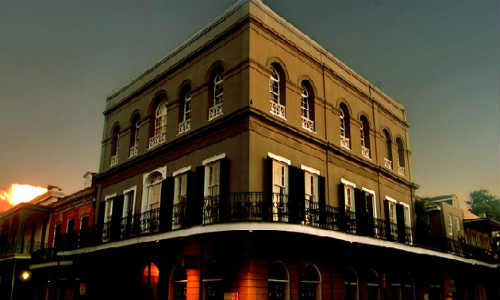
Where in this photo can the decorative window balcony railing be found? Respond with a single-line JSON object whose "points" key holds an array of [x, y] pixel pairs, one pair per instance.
{"points": [[345, 142], [157, 139], [261, 207], [365, 152], [387, 163], [184, 126], [215, 111], [308, 124], [133, 151], [401, 171], [278, 109], [114, 160]]}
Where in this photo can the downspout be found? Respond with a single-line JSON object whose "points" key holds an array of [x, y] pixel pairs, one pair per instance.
{"points": [[326, 130]]}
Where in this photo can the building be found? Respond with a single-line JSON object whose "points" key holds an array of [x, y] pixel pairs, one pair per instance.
{"points": [[250, 163]]}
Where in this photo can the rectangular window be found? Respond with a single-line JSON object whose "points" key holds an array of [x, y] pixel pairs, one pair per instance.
{"points": [[71, 226], [457, 223], [392, 212], [108, 210], [280, 178], [349, 198], [84, 223], [212, 179], [311, 197], [128, 203], [154, 195]]}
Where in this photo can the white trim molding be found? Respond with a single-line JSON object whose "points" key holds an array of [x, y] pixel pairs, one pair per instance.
{"points": [[391, 199], [375, 210], [347, 182], [279, 158], [213, 158], [368, 191], [133, 188], [181, 171], [310, 170]]}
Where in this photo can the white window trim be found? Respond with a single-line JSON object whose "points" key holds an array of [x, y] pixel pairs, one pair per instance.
{"points": [[279, 158], [213, 158], [409, 212], [134, 188], [372, 192], [181, 171], [163, 172], [310, 170], [106, 198], [347, 182], [391, 199]]}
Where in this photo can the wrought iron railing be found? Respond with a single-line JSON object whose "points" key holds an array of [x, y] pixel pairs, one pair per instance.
{"points": [[262, 207]]}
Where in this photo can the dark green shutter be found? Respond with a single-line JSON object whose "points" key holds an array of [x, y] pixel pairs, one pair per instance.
{"points": [[322, 200], [268, 190], [193, 208], [224, 190], [341, 208], [387, 220], [166, 204], [116, 217], [358, 207], [300, 181], [370, 216], [199, 188], [400, 215], [296, 195]]}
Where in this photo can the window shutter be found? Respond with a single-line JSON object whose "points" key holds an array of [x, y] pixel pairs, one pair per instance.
{"points": [[341, 207], [293, 195], [300, 182], [101, 213], [387, 220], [358, 206], [224, 189], [199, 190], [268, 190], [370, 217], [116, 217], [322, 200], [400, 216], [166, 204]]}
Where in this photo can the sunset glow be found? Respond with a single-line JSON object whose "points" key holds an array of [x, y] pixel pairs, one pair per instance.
{"points": [[19, 193]]}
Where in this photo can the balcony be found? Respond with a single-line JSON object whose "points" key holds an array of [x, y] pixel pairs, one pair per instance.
{"points": [[387, 163], [20, 248], [133, 151], [278, 109], [114, 160], [345, 142], [184, 126], [365, 152], [308, 124], [261, 207], [157, 139], [215, 111], [401, 171]]}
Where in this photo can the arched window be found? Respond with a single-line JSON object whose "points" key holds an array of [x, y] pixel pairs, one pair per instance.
{"points": [[345, 127], [373, 283], [213, 282], [388, 144], [115, 146], [158, 134], [150, 277], [185, 111], [134, 135], [365, 137], [408, 288], [307, 106], [351, 285], [217, 94], [401, 153], [153, 184], [277, 91], [179, 283], [310, 284], [277, 282]]}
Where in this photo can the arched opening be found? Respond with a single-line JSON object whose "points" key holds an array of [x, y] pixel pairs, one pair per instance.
{"points": [[345, 127], [310, 283], [388, 150], [149, 278], [179, 283], [307, 105], [401, 153], [185, 110], [365, 137], [373, 283], [114, 145], [216, 98], [277, 282], [158, 128], [277, 90], [351, 285], [134, 134], [213, 282], [408, 288]]}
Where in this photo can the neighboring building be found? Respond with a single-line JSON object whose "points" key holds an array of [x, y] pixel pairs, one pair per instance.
{"points": [[23, 231], [446, 217], [251, 163], [480, 232]]}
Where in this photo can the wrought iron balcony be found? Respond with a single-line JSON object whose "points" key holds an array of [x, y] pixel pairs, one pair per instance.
{"points": [[184, 126], [387, 163], [278, 109], [133, 151], [114, 160], [20, 248], [345, 142], [260, 207], [157, 139], [215, 111], [308, 124], [365, 152]]}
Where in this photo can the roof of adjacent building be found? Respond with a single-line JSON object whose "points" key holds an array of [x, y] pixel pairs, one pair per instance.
{"points": [[468, 215]]}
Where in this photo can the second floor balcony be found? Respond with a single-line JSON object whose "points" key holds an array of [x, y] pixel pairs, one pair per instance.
{"points": [[158, 139], [184, 126], [308, 124], [215, 111], [277, 109]]}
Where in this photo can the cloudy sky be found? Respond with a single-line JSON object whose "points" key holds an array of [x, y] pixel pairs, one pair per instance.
{"points": [[439, 58]]}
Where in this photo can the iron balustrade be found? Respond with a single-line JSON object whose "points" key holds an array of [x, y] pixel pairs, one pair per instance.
{"points": [[263, 207]]}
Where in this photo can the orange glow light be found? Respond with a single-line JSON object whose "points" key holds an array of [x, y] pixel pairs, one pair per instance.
{"points": [[19, 193]]}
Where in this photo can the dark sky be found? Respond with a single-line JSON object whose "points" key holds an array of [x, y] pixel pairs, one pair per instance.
{"points": [[60, 59]]}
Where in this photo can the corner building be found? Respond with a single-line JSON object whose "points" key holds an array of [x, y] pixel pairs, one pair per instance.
{"points": [[250, 163]]}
